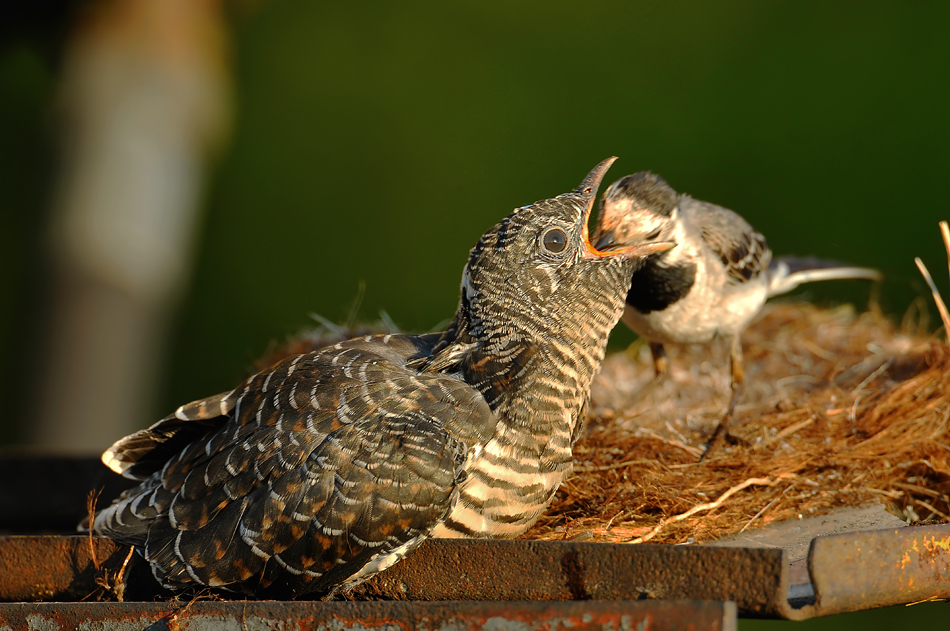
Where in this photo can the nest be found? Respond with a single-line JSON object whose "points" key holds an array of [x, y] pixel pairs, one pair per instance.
{"points": [[837, 409]]}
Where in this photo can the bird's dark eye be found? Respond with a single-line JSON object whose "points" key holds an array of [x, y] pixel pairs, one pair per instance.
{"points": [[554, 240], [653, 235]]}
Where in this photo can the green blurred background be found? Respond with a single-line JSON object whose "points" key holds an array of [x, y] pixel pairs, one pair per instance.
{"points": [[374, 142]]}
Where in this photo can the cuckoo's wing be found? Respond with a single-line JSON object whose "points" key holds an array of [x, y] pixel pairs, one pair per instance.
{"points": [[743, 251], [141, 454], [329, 467]]}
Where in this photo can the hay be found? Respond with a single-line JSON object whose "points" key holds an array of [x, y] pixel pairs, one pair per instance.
{"points": [[837, 409]]}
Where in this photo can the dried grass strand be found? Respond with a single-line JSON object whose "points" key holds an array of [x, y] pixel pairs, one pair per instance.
{"points": [[945, 233], [933, 511], [765, 508], [610, 467], [941, 307], [788, 431], [702, 507]]}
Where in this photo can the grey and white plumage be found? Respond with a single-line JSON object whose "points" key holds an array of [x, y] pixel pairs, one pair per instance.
{"points": [[331, 465], [713, 283]]}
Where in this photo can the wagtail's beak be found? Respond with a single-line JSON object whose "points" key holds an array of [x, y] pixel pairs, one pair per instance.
{"points": [[605, 240]]}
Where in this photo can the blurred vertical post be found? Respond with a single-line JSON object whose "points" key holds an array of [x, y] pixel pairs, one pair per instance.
{"points": [[144, 102]]}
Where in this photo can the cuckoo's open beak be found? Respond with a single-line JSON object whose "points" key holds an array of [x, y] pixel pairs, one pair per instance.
{"points": [[606, 247], [606, 250]]}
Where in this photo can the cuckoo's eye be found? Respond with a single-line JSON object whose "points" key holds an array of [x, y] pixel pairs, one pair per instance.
{"points": [[554, 240]]}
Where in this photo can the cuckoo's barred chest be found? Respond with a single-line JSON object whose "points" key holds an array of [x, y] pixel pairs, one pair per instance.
{"points": [[512, 478]]}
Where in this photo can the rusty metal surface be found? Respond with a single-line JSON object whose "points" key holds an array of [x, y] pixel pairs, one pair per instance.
{"points": [[795, 535], [845, 572], [372, 616], [544, 570], [880, 568], [36, 568], [59, 568]]}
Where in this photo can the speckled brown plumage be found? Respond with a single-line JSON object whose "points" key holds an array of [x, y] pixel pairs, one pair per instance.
{"points": [[331, 465]]}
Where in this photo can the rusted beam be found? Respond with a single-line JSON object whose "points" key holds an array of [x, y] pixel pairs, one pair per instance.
{"points": [[846, 572], [542, 570], [880, 568], [65, 568], [50, 568], [374, 616]]}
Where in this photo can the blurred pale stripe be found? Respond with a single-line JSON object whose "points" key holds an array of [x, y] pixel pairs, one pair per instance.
{"points": [[145, 99]]}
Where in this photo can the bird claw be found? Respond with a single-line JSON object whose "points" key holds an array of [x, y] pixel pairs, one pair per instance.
{"points": [[721, 434]]}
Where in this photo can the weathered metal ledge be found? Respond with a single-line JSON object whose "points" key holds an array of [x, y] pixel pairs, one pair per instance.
{"points": [[452, 584], [373, 616], [847, 572]]}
